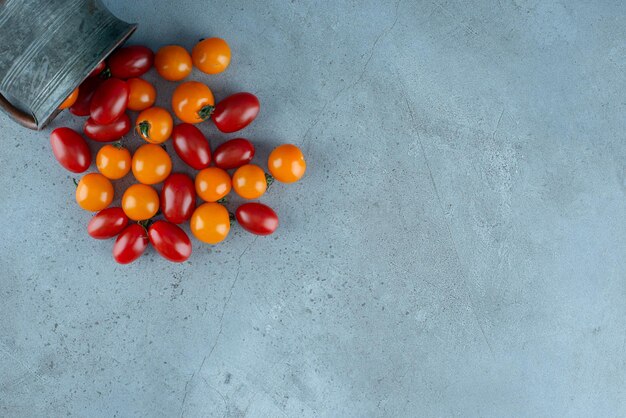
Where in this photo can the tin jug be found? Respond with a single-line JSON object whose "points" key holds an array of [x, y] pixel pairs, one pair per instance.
{"points": [[47, 48]]}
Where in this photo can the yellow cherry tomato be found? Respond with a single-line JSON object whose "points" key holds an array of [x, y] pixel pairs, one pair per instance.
{"points": [[151, 164], [286, 163], [249, 181], [193, 102], [71, 99], [173, 62], [94, 192], [142, 94], [210, 223], [211, 55], [154, 125], [212, 184], [140, 202], [113, 161]]}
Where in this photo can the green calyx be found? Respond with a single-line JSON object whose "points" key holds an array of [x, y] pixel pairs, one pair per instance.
{"points": [[206, 112], [106, 73], [144, 129], [145, 223], [269, 179]]}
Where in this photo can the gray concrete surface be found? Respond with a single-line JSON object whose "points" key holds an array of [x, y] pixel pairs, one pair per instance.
{"points": [[455, 249]]}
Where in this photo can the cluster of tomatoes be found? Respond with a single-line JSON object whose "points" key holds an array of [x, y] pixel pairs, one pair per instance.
{"points": [[114, 88]]}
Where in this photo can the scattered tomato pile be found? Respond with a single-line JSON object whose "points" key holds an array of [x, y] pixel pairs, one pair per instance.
{"points": [[106, 96]]}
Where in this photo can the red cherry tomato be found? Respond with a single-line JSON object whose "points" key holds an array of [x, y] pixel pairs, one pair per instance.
{"points": [[235, 112], [99, 68], [70, 149], [178, 198], [233, 153], [109, 132], [109, 101], [191, 146], [257, 218], [130, 244], [85, 92], [107, 223], [130, 61], [170, 241]]}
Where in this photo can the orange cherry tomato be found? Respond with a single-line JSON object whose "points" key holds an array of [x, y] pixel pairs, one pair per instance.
{"points": [[211, 55], [151, 164], [193, 102], [154, 125], [210, 223], [249, 181], [94, 192], [212, 184], [286, 163], [173, 62], [142, 94], [71, 99], [140, 202], [113, 161]]}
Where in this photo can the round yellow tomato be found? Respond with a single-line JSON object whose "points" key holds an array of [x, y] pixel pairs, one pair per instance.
{"points": [[71, 99], [94, 192], [210, 223], [154, 125], [142, 94], [211, 55], [151, 164], [140, 202], [212, 184], [249, 181], [286, 163], [173, 62], [193, 102], [113, 161]]}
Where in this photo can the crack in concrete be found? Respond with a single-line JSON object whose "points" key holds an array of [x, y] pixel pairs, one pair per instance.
{"points": [[383, 33], [447, 224], [219, 333]]}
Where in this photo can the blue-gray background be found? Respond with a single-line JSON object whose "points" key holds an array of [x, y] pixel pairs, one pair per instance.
{"points": [[455, 249]]}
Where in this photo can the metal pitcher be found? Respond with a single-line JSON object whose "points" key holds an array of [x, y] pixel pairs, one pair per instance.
{"points": [[47, 48]]}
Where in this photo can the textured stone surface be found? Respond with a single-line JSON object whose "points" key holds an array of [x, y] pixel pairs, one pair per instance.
{"points": [[455, 249]]}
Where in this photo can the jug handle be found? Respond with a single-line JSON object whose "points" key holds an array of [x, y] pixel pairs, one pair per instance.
{"points": [[20, 116]]}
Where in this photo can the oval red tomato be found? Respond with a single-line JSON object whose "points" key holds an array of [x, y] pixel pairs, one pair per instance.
{"points": [[70, 149], [130, 61], [233, 153], [191, 146], [170, 241], [257, 218], [107, 223], [235, 112], [85, 93], [130, 244], [109, 132], [178, 198], [109, 101]]}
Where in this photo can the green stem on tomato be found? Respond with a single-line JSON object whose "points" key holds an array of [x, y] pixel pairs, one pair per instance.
{"points": [[145, 223], [223, 200], [106, 73], [206, 112], [269, 179], [144, 129], [75, 182]]}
